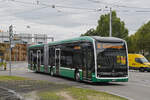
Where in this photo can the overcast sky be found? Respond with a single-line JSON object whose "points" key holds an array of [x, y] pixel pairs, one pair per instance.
{"points": [[69, 18]]}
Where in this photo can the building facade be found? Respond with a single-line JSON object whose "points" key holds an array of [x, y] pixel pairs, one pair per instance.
{"points": [[20, 43], [19, 52], [25, 38]]}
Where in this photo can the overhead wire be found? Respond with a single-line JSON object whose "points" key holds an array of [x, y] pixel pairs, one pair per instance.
{"points": [[137, 10], [27, 11], [44, 5], [53, 6], [81, 8], [92, 9], [124, 6]]}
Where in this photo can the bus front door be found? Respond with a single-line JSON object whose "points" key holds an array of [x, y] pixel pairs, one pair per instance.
{"points": [[57, 60], [87, 63], [38, 60], [85, 68]]}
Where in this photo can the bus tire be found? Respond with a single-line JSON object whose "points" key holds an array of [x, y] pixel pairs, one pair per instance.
{"points": [[51, 72], [141, 69], [36, 70], [77, 76]]}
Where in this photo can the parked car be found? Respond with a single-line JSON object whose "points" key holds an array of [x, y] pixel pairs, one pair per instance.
{"points": [[138, 62]]}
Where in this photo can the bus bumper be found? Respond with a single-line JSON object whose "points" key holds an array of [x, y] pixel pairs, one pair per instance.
{"points": [[94, 79]]}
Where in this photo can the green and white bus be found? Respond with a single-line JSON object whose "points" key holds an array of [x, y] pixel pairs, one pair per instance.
{"points": [[87, 58]]}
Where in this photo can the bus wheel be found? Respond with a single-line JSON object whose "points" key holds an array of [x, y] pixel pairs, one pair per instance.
{"points": [[36, 70], [51, 72], [141, 69], [77, 76]]}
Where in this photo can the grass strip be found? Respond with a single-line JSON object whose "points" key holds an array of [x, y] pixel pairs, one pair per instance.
{"points": [[54, 91], [49, 96], [87, 94], [7, 78]]}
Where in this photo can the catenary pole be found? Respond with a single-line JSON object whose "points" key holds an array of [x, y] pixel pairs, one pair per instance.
{"points": [[110, 23], [10, 40]]}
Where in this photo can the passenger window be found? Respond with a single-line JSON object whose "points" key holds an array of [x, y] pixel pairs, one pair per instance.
{"points": [[138, 60]]}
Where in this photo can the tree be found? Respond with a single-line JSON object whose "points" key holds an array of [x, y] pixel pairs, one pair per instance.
{"points": [[90, 32], [118, 27], [141, 39], [132, 46]]}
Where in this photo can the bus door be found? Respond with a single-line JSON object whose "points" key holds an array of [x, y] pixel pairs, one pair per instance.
{"points": [[87, 63], [85, 69], [57, 59], [31, 59], [38, 60]]}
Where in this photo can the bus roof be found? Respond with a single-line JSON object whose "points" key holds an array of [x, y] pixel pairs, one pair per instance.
{"points": [[107, 39], [37, 45], [83, 38]]}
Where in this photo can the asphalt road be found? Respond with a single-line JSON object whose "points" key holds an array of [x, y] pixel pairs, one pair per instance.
{"points": [[138, 87]]}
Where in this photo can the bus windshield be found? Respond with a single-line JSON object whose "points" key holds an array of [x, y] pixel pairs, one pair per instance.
{"points": [[111, 58]]}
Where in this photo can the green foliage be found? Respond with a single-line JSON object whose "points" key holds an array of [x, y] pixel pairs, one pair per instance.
{"points": [[90, 32], [131, 45], [139, 42], [49, 96], [87, 94], [52, 91], [6, 78], [118, 27], [74, 93]]}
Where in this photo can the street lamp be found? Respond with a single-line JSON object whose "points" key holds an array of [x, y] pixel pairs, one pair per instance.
{"points": [[10, 40], [110, 21]]}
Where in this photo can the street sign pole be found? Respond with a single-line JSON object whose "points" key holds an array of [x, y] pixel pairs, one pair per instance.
{"points": [[10, 59], [10, 40]]}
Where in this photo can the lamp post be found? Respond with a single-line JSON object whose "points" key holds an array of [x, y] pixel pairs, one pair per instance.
{"points": [[10, 40], [110, 23]]}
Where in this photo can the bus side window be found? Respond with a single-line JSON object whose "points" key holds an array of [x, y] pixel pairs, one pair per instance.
{"points": [[42, 57], [66, 56], [77, 59], [50, 53], [34, 57], [30, 56], [51, 56]]}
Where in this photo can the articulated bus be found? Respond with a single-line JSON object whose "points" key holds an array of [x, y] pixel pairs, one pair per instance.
{"points": [[91, 59]]}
